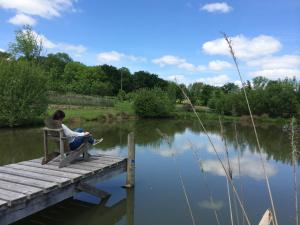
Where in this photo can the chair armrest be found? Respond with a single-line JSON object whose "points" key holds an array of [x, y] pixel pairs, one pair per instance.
{"points": [[51, 129]]}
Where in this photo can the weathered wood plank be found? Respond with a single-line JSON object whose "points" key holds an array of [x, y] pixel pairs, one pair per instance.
{"points": [[72, 176], [17, 212], [59, 180], [52, 167], [109, 156], [46, 186], [3, 203], [11, 197], [79, 166], [29, 191]]}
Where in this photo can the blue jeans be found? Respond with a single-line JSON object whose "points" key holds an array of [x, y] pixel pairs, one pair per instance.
{"points": [[79, 140]]}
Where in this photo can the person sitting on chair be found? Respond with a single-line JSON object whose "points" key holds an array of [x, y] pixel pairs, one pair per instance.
{"points": [[76, 137]]}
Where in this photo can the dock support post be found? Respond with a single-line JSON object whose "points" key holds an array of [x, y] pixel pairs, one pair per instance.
{"points": [[130, 162], [130, 206]]}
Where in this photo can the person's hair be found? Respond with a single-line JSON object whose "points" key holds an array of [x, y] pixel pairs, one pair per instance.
{"points": [[58, 115]]}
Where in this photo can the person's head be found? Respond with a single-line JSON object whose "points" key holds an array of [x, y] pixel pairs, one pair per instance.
{"points": [[58, 115]]}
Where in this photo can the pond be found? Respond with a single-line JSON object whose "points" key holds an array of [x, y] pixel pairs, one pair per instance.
{"points": [[165, 167]]}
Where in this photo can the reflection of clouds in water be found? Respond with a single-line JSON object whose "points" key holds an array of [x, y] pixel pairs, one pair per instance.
{"points": [[180, 149], [214, 205], [250, 167], [218, 146]]}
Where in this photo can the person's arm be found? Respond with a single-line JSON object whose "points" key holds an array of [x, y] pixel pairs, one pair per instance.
{"points": [[69, 133]]}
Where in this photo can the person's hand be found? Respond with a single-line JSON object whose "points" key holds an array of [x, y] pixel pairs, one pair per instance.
{"points": [[86, 133]]}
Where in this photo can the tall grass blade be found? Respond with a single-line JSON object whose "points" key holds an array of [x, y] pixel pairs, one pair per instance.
{"points": [[218, 156], [294, 159], [227, 39]]}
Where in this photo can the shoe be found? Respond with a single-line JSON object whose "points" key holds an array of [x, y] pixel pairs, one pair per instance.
{"points": [[97, 141]]}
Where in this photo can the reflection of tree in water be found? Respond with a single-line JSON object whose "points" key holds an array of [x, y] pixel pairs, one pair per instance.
{"points": [[24, 144], [70, 212]]}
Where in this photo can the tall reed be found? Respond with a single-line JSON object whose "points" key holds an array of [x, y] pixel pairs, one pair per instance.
{"points": [[294, 159], [229, 42], [229, 170], [217, 154], [199, 161]]}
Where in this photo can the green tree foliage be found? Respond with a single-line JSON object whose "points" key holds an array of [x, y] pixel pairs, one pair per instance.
{"points": [[23, 93], [27, 44], [153, 103], [274, 98]]}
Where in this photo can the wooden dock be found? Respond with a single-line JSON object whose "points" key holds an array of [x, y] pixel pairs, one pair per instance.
{"points": [[28, 187]]}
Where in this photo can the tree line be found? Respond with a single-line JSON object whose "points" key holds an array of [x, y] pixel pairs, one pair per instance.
{"points": [[26, 76]]}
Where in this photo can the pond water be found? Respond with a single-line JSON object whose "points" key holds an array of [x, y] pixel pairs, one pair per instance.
{"points": [[161, 165]]}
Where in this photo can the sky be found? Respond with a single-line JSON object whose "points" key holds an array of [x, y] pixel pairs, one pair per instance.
{"points": [[176, 39]]}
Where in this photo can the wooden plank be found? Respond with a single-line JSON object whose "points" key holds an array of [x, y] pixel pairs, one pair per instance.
{"points": [[26, 190], [52, 167], [72, 176], [17, 212], [79, 166], [12, 197], [3, 203], [46, 186], [59, 180], [108, 156]]}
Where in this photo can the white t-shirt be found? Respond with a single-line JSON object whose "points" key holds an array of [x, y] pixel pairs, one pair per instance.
{"points": [[70, 134]]}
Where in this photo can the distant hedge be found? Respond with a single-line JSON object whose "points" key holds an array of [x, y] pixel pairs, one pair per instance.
{"points": [[153, 103], [23, 94]]}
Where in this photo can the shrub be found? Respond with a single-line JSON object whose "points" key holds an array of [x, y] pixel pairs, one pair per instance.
{"points": [[153, 103], [23, 94]]}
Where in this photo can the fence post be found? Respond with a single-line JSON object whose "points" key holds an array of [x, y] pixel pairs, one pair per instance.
{"points": [[130, 180]]}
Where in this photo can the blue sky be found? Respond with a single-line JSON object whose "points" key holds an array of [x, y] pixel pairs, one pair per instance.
{"points": [[173, 38]]}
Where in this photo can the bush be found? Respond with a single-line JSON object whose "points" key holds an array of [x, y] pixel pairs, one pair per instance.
{"points": [[153, 104], [23, 94]]}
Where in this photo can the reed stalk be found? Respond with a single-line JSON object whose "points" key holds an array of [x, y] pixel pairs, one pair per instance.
{"points": [[228, 40], [180, 177], [217, 154], [239, 167], [199, 161], [294, 159], [229, 170]]}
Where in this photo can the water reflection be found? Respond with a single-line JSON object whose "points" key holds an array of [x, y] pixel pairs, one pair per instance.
{"points": [[72, 212], [158, 194]]}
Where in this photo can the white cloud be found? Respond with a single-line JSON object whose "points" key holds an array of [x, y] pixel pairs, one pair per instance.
{"points": [[215, 80], [179, 62], [245, 48], [219, 65], [213, 205], [169, 60], [238, 83], [279, 62], [114, 56], [277, 73], [222, 7], [179, 78], [248, 167], [77, 50], [2, 50], [43, 8], [22, 19]]}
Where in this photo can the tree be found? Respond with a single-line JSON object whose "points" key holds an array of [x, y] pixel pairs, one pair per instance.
{"points": [[27, 44], [153, 103], [230, 88], [5, 55], [23, 93], [259, 82]]}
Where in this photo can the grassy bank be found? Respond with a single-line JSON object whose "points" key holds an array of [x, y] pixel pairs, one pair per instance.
{"points": [[211, 116], [120, 111]]}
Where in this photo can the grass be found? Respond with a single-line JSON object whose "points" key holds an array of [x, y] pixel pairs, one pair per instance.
{"points": [[121, 110]]}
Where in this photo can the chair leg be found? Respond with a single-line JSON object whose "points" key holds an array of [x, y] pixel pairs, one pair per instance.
{"points": [[73, 155]]}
